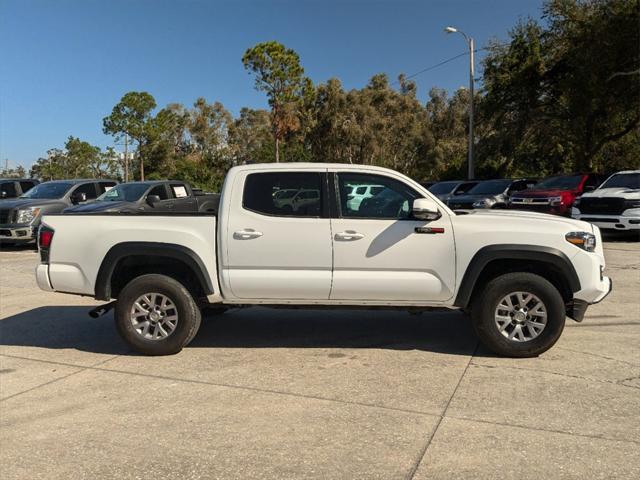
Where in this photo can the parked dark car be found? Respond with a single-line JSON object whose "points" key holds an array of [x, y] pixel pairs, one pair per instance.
{"points": [[20, 217], [490, 193], [445, 190], [14, 187], [556, 194], [151, 196]]}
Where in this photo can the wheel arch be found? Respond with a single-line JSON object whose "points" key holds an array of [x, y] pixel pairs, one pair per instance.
{"points": [[127, 260], [494, 260]]}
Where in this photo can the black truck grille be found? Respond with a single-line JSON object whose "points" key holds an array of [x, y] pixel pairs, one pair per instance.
{"points": [[5, 215], [603, 206]]}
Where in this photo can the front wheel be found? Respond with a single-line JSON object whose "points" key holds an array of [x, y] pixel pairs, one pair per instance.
{"points": [[156, 315], [518, 315]]}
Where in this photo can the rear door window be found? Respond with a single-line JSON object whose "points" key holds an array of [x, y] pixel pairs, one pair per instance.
{"points": [[284, 194], [89, 189], [160, 191], [105, 187], [179, 190]]}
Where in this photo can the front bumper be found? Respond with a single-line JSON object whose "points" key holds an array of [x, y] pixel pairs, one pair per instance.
{"points": [[609, 222], [577, 308], [540, 208], [17, 233]]}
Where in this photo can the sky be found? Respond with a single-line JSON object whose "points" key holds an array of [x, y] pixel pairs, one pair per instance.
{"points": [[64, 64]]}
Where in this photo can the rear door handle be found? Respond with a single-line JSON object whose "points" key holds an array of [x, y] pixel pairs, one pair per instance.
{"points": [[246, 234], [349, 235]]}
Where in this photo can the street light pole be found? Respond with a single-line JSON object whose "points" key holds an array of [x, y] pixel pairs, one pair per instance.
{"points": [[469, 40]]}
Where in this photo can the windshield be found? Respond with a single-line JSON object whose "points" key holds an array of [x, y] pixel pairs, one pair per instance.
{"points": [[490, 187], [125, 192], [443, 187], [560, 183], [623, 180], [48, 190]]}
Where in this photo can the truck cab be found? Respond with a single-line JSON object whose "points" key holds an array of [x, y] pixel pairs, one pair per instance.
{"points": [[159, 196]]}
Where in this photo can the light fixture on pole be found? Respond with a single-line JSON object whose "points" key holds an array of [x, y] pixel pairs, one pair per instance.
{"points": [[469, 40]]}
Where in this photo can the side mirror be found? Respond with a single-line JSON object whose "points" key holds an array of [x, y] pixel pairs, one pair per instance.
{"points": [[78, 198], [152, 199], [425, 209], [589, 188]]}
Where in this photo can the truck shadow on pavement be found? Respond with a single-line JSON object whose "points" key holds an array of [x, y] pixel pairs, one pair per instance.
{"points": [[69, 327]]}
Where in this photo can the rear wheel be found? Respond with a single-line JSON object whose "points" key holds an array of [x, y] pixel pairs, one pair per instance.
{"points": [[156, 315], [518, 315]]}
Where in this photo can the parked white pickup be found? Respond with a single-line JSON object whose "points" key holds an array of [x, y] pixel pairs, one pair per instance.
{"points": [[614, 205], [517, 273]]}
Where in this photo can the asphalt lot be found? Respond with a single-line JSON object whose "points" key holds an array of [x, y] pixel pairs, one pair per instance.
{"points": [[312, 394]]}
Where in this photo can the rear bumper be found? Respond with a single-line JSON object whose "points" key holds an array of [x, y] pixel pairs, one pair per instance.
{"points": [[42, 277]]}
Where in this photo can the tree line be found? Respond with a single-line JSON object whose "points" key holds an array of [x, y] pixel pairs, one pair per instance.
{"points": [[562, 94]]}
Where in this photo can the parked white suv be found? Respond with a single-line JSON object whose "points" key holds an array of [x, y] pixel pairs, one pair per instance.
{"points": [[614, 205], [359, 193], [518, 274]]}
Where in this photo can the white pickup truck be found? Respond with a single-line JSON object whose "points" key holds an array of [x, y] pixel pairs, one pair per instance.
{"points": [[614, 205], [518, 274]]}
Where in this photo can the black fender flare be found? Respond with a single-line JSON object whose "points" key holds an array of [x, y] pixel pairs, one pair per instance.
{"points": [[487, 254], [157, 249]]}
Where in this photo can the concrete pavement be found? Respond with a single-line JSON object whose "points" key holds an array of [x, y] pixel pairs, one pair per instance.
{"points": [[313, 394]]}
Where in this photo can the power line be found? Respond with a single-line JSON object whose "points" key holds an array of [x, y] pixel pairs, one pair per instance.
{"points": [[424, 70]]}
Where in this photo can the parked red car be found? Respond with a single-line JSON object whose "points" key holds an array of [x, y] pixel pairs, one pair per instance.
{"points": [[556, 194]]}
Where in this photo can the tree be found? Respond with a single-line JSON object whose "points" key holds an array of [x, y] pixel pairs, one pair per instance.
{"points": [[250, 137], [78, 159], [209, 126], [17, 172], [557, 96], [132, 116], [279, 74]]}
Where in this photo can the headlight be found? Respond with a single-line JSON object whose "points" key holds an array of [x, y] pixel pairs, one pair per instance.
{"points": [[555, 200], [27, 215], [583, 240]]}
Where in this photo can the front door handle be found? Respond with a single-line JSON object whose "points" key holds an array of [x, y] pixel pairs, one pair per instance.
{"points": [[349, 235], [246, 234]]}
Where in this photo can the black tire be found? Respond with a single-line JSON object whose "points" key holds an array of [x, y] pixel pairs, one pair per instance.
{"points": [[189, 317], [483, 311]]}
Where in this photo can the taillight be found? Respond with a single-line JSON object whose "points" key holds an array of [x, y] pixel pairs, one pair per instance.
{"points": [[45, 237]]}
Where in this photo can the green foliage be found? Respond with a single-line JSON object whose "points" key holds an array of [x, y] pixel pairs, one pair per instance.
{"points": [[132, 116], [559, 96], [279, 74], [78, 159], [17, 172]]}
